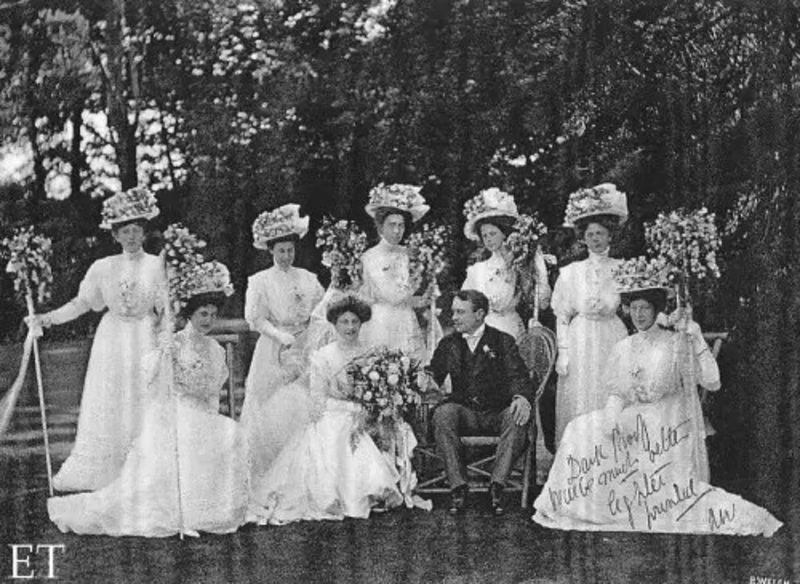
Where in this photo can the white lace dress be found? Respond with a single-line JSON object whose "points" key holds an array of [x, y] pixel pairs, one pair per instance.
{"points": [[322, 473], [131, 287], [187, 470], [585, 301], [647, 470], [387, 287], [282, 300]]}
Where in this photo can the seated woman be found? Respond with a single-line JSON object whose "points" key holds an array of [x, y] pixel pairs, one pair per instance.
{"points": [[186, 471], [640, 464], [330, 470]]}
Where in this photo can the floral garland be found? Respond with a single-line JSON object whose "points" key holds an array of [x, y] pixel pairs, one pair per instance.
{"points": [[183, 252], [427, 251], [342, 243], [398, 196], [488, 200], [687, 240], [29, 257], [388, 384], [588, 200], [134, 203]]}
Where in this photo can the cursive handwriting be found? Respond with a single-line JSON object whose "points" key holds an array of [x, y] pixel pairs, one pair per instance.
{"points": [[584, 464], [718, 518]]}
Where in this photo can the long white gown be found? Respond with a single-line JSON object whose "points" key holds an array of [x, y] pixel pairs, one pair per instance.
{"points": [[585, 301], [648, 469], [182, 431], [498, 282], [322, 473], [387, 287], [283, 300], [131, 287]]}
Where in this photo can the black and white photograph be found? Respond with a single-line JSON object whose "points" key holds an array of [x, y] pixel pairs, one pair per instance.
{"points": [[399, 291]]}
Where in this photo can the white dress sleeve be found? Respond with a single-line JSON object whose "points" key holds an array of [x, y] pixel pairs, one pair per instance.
{"points": [[256, 307], [563, 304]]}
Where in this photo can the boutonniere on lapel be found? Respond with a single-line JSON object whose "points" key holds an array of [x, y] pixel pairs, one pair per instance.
{"points": [[489, 352]]}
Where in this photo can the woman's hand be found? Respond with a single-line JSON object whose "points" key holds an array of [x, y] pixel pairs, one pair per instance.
{"points": [[284, 338], [37, 322]]}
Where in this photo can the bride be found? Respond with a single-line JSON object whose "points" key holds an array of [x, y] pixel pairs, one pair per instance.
{"points": [[186, 471], [327, 472]]}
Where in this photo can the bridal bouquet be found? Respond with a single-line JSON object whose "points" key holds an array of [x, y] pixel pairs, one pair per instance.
{"points": [[342, 243], [388, 385], [426, 250], [29, 257], [689, 241]]}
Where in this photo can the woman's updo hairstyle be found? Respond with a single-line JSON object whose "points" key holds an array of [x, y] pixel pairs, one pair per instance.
{"points": [[382, 213], [143, 223], [293, 237], [349, 303], [656, 297], [504, 224], [610, 222], [198, 301]]}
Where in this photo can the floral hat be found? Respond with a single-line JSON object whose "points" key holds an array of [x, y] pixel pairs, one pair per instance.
{"points": [[135, 203], [604, 199], [280, 222], [397, 196], [205, 278], [488, 203], [639, 274]]}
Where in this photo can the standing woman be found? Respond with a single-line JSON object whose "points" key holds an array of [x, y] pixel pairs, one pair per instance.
{"points": [[132, 286], [491, 216], [585, 301], [387, 284], [278, 305]]}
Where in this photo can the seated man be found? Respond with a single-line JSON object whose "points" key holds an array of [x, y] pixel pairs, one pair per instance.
{"points": [[492, 394]]}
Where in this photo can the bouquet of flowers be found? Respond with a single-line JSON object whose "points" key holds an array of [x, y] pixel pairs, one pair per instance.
{"points": [[388, 384], [687, 240], [342, 243], [183, 251], [29, 257], [426, 250], [523, 244]]}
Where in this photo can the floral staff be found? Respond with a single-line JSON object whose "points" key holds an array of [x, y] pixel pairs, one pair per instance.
{"points": [[29, 261]]}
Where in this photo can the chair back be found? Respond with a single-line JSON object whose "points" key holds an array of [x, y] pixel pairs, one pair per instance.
{"points": [[537, 347]]}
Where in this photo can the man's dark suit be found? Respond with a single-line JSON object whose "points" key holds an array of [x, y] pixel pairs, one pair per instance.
{"points": [[484, 383]]}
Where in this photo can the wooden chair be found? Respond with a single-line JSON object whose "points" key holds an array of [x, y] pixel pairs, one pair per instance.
{"points": [[230, 333], [538, 350]]}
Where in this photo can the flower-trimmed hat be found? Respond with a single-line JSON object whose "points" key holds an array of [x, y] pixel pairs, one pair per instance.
{"points": [[205, 278], [640, 274], [135, 203], [405, 198], [488, 203], [280, 222], [603, 199]]}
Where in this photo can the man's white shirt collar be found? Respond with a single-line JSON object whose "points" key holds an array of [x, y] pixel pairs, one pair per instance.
{"points": [[474, 338]]}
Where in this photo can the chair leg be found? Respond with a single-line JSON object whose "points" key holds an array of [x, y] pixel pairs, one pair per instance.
{"points": [[529, 469]]}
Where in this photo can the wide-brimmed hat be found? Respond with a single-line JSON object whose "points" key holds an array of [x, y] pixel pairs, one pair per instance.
{"points": [[204, 278], [135, 203], [640, 274], [487, 204], [399, 197], [603, 199], [280, 222]]}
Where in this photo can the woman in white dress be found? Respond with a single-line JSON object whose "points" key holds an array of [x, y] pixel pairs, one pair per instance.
{"points": [[491, 216], [387, 283], [640, 463], [585, 302], [132, 287], [187, 470], [328, 471], [278, 305]]}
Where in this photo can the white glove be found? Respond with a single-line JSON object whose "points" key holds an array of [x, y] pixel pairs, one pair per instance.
{"points": [[35, 324], [562, 363], [284, 338]]}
